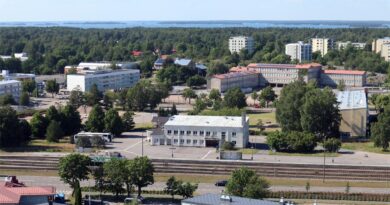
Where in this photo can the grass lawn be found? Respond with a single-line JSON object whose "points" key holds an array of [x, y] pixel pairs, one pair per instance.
{"points": [[143, 126], [248, 151], [39, 145], [9, 172], [363, 146], [314, 154], [265, 117]]}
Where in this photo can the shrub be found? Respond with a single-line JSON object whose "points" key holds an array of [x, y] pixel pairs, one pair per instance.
{"points": [[292, 141], [83, 141], [97, 141], [332, 145], [228, 146]]}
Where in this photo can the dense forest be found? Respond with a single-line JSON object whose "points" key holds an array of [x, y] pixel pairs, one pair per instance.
{"points": [[50, 49]]}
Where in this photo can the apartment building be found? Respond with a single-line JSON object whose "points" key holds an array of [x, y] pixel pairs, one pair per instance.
{"points": [[12, 87], [299, 51], [282, 74], [351, 78], [377, 44], [202, 131], [385, 51], [237, 43], [242, 80], [342, 45], [354, 113], [104, 79], [322, 45]]}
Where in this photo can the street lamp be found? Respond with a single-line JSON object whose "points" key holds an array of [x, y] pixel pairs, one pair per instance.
{"points": [[172, 148], [252, 152], [142, 142]]}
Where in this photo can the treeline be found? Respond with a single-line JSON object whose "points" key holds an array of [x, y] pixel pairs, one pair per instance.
{"points": [[50, 49]]}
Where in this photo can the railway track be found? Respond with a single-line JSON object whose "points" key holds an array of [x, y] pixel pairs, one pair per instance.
{"points": [[204, 167]]}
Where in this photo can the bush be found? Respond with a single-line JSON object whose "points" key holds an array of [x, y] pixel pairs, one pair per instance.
{"points": [[83, 141], [332, 145], [292, 141], [228, 146], [97, 141]]}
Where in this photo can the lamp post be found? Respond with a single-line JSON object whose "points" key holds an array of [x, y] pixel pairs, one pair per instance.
{"points": [[252, 153], [172, 148], [142, 142]]}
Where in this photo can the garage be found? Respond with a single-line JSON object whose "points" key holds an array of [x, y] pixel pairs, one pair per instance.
{"points": [[212, 142]]}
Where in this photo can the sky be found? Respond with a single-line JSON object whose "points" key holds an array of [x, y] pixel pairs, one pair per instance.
{"points": [[167, 10]]}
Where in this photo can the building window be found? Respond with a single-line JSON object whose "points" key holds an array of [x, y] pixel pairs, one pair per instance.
{"points": [[207, 133], [195, 141], [169, 132], [181, 141], [181, 132], [234, 134], [175, 141], [195, 133], [223, 134], [201, 133], [188, 132], [175, 132], [234, 142], [188, 141]]}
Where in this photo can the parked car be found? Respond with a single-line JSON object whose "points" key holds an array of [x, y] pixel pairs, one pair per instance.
{"points": [[221, 183], [139, 199]]}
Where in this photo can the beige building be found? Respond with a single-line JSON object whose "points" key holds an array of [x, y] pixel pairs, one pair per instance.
{"points": [[354, 113], [351, 78], [242, 80], [322, 45], [385, 52], [377, 44], [237, 43]]}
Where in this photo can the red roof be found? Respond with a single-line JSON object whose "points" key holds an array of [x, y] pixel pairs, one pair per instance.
{"points": [[238, 69], [137, 53], [345, 72], [284, 66], [12, 195]]}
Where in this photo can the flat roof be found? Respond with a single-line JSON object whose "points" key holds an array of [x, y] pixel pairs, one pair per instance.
{"points": [[345, 72], [101, 72], [5, 82], [216, 199], [285, 66], [352, 99], [205, 121]]}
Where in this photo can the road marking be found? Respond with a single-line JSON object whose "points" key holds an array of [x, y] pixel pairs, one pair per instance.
{"points": [[127, 148], [133, 153], [206, 155]]}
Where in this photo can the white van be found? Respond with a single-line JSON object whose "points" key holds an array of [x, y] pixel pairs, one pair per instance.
{"points": [[107, 137]]}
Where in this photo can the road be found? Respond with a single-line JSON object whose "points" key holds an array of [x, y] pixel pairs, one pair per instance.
{"points": [[203, 188]]}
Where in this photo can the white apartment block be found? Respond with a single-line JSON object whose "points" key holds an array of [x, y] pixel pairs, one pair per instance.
{"points": [[377, 44], [343, 45], [299, 51], [385, 51], [105, 80], [12, 87], [322, 45], [202, 131], [237, 43]]}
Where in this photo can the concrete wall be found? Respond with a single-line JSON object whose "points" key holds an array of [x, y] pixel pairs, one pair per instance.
{"points": [[354, 121]]}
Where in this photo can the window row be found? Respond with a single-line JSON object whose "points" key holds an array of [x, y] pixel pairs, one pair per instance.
{"points": [[196, 133]]}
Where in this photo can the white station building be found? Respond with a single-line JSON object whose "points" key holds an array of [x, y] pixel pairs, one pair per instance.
{"points": [[202, 131], [105, 80]]}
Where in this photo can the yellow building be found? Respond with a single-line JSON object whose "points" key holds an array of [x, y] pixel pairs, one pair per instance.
{"points": [[378, 43], [354, 113], [322, 45]]}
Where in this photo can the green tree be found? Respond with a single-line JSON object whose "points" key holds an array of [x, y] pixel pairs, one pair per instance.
{"points": [[76, 98], [24, 99], [28, 86], [196, 80], [54, 132], [332, 145], [52, 87], [141, 172], [116, 171], [93, 96], [109, 98], [7, 99], [268, 95], [341, 86], [128, 121], [95, 122], [254, 96], [78, 200], [187, 190], [320, 114], [217, 68], [380, 131], [174, 110], [52, 114], [214, 94], [71, 121], [73, 168], [38, 125], [234, 98], [245, 183], [113, 123], [188, 93], [12, 131], [172, 187]]}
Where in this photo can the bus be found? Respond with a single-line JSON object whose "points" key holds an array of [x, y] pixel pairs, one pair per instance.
{"points": [[107, 137]]}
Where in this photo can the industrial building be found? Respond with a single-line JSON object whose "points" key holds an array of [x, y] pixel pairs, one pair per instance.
{"points": [[104, 79], [201, 131], [21, 56], [354, 113], [237, 43], [323, 45], [242, 80], [351, 78], [299, 51]]}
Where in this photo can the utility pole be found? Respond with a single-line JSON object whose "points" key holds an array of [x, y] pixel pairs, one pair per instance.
{"points": [[142, 140], [323, 146]]}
